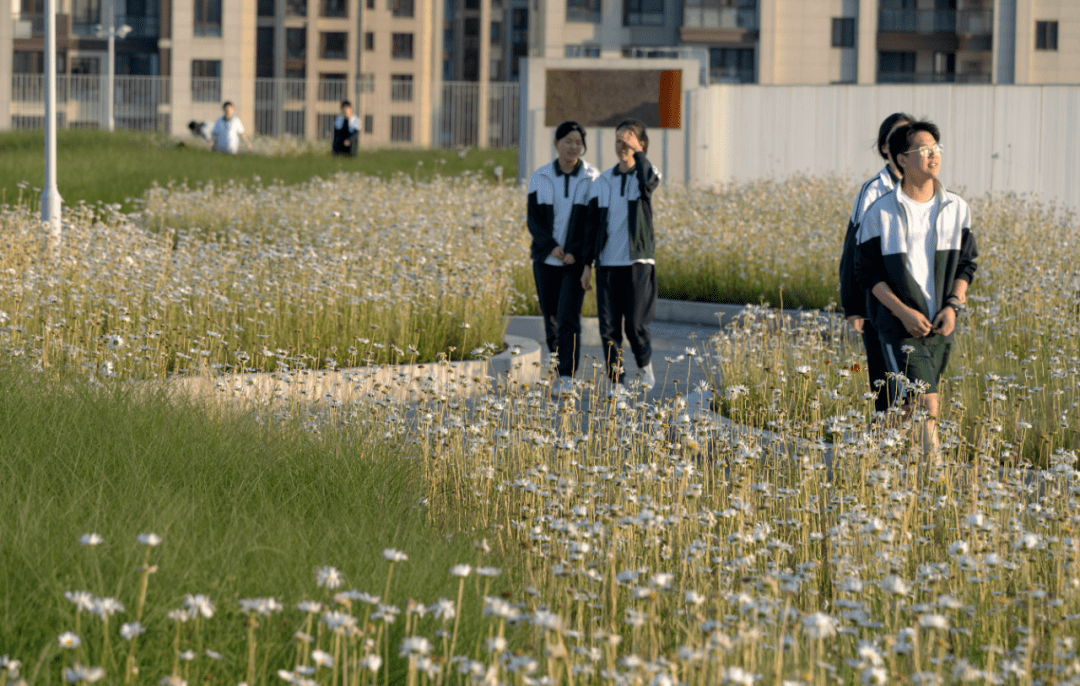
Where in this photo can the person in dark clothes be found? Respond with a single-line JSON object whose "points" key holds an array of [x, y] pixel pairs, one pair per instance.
{"points": [[346, 131], [852, 296], [621, 242], [557, 205]]}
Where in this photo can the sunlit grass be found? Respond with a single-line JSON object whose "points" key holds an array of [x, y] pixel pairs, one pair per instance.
{"points": [[638, 541]]}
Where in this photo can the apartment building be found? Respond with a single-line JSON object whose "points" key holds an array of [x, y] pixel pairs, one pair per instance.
{"points": [[825, 41]]}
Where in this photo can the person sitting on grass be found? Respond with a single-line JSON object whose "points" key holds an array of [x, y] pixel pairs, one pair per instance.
{"points": [[916, 255], [346, 131], [622, 243]]}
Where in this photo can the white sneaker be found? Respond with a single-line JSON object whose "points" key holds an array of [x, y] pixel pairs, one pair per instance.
{"points": [[648, 379]]}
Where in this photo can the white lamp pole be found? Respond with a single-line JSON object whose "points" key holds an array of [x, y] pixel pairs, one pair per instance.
{"points": [[50, 196], [110, 30]]}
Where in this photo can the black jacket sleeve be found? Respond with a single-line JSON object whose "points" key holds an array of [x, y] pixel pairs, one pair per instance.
{"points": [[594, 220], [648, 178], [852, 295], [965, 268], [541, 220], [869, 264]]}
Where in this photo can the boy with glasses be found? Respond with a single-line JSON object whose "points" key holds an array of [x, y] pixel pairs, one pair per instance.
{"points": [[916, 255]]}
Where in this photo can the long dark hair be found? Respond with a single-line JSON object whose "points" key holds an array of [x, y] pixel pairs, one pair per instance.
{"points": [[886, 127]]}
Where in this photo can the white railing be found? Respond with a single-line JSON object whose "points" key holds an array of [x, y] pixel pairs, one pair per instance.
{"points": [[282, 107], [137, 101]]}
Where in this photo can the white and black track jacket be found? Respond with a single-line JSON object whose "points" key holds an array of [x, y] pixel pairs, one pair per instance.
{"points": [[852, 296], [557, 208], [882, 255], [619, 199]]}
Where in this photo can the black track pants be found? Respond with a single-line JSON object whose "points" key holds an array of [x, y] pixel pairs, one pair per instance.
{"points": [[560, 293], [625, 301]]}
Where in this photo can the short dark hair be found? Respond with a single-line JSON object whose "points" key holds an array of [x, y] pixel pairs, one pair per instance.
{"points": [[638, 127], [900, 141], [346, 103], [564, 129], [193, 125], [227, 103], [886, 127]]}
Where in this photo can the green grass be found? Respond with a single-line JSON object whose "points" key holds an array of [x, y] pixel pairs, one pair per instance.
{"points": [[115, 167], [244, 511]]}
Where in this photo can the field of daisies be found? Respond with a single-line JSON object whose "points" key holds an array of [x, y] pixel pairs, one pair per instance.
{"points": [[772, 535]]}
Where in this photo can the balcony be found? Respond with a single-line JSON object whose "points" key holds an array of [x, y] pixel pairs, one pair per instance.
{"points": [[931, 77], [703, 14], [917, 21]]}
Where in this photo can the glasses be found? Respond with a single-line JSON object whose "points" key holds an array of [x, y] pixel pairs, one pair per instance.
{"points": [[927, 150]]}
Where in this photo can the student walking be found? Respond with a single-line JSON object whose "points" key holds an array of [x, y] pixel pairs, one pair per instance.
{"points": [[228, 131], [853, 299], [621, 242], [558, 201], [346, 131], [916, 255]]}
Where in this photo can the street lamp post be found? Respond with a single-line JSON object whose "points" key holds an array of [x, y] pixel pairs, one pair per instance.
{"points": [[50, 195], [112, 31]]}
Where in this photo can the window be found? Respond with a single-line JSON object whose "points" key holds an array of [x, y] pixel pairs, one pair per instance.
{"points": [[401, 8], [896, 67], [332, 87], [369, 41], [85, 65], [401, 129], [206, 80], [208, 18], [843, 32], [86, 12], [1046, 35], [496, 32], [401, 87], [267, 8], [295, 44], [582, 51], [335, 8], [731, 65], [643, 13], [334, 46], [326, 125], [583, 10], [295, 8], [401, 48], [264, 52], [371, 4], [365, 83], [369, 123], [294, 123]]}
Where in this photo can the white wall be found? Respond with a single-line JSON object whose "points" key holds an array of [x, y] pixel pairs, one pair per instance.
{"points": [[1023, 139], [1007, 138]]}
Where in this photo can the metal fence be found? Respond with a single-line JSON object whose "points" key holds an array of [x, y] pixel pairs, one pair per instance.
{"points": [[139, 102], [282, 107]]}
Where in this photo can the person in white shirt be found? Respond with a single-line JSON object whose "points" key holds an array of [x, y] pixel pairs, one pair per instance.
{"points": [[228, 131], [346, 131], [916, 256]]}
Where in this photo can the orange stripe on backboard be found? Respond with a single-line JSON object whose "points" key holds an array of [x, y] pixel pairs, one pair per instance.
{"points": [[671, 99]]}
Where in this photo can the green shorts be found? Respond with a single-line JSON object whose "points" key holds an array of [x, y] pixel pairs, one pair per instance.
{"points": [[921, 361]]}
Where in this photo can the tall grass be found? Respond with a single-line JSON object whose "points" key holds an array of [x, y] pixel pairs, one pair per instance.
{"points": [[246, 507]]}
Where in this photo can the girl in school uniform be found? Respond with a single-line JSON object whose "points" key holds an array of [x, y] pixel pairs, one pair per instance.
{"points": [[621, 243], [853, 299], [558, 201]]}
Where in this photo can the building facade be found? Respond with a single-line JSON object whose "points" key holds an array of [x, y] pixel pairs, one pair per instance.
{"points": [[431, 72]]}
